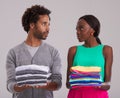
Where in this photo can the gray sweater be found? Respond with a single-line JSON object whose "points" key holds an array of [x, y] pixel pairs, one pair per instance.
{"points": [[45, 55]]}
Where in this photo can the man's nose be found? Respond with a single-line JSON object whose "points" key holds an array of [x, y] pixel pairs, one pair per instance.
{"points": [[47, 28]]}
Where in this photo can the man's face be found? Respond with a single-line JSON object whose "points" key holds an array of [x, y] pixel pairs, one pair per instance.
{"points": [[41, 28]]}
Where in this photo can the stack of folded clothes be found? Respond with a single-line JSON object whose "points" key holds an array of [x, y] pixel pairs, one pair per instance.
{"points": [[32, 74], [84, 76]]}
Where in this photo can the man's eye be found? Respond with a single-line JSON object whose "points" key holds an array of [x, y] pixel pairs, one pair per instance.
{"points": [[44, 24], [81, 28]]}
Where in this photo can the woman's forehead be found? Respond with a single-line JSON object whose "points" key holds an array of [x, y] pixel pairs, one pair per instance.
{"points": [[82, 22]]}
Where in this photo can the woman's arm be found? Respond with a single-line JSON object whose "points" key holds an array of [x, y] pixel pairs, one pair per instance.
{"points": [[108, 55], [70, 58]]}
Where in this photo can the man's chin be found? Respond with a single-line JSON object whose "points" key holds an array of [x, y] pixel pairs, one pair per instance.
{"points": [[44, 38]]}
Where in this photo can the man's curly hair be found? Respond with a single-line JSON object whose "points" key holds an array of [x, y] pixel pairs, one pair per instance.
{"points": [[31, 15]]}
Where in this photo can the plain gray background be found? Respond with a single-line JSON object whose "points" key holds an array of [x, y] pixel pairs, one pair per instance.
{"points": [[64, 16]]}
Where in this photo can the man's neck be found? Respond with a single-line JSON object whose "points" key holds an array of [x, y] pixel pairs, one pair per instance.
{"points": [[32, 41]]}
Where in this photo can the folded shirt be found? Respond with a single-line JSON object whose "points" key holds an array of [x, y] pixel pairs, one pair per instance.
{"points": [[77, 75], [33, 82], [85, 69], [85, 76], [32, 67], [32, 74]]}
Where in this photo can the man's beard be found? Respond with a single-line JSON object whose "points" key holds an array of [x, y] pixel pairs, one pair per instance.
{"points": [[40, 36]]}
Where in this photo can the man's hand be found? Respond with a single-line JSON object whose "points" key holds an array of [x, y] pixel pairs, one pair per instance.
{"points": [[50, 86], [21, 88]]}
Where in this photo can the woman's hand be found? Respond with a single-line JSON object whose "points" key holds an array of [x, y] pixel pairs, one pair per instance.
{"points": [[105, 86]]}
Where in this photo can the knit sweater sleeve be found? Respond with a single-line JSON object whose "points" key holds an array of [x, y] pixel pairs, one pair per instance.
{"points": [[10, 69], [56, 69]]}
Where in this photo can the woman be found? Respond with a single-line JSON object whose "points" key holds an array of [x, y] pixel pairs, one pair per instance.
{"points": [[89, 65]]}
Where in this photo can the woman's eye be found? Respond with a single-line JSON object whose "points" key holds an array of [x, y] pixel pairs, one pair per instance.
{"points": [[80, 28]]}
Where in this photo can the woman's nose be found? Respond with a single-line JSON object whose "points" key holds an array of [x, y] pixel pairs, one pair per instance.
{"points": [[78, 32]]}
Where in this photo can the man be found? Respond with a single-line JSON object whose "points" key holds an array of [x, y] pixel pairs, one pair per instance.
{"points": [[33, 50]]}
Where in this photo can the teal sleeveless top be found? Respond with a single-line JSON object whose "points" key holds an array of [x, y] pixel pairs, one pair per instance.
{"points": [[90, 57]]}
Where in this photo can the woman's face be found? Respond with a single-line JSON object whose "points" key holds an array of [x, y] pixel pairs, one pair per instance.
{"points": [[84, 31]]}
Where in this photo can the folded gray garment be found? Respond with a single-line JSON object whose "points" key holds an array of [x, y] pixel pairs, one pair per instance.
{"points": [[30, 77], [33, 82], [30, 71], [32, 67]]}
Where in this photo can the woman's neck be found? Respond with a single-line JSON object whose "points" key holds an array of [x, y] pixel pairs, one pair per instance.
{"points": [[91, 42]]}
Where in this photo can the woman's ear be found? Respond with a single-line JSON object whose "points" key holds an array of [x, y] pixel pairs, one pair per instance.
{"points": [[92, 31]]}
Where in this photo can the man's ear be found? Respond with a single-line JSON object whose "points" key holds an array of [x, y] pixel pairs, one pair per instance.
{"points": [[32, 25]]}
